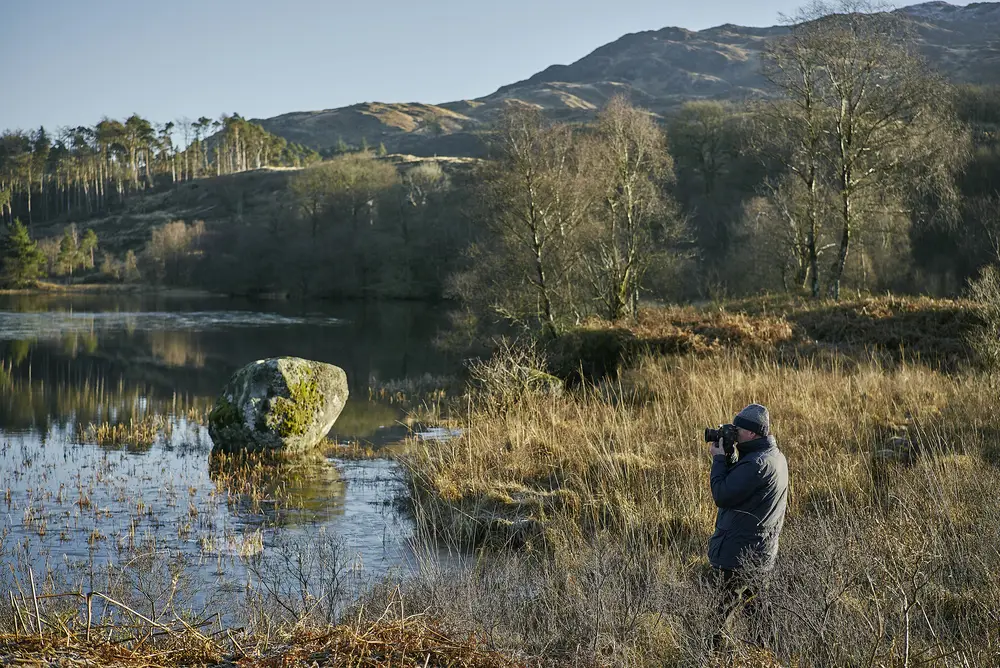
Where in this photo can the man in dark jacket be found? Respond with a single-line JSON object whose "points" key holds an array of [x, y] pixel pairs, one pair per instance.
{"points": [[751, 492]]}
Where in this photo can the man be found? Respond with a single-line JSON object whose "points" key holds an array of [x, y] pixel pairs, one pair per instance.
{"points": [[751, 492]]}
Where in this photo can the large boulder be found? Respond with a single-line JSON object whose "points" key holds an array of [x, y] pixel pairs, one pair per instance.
{"points": [[283, 404]]}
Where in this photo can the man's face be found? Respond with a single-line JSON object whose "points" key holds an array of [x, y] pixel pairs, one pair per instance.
{"points": [[744, 435]]}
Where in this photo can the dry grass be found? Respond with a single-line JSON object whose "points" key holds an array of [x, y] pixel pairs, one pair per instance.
{"points": [[883, 562], [413, 641], [935, 332], [141, 432]]}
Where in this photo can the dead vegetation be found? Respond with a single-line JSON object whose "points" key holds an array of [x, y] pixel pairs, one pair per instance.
{"points": [[594, 508], [935, 332], [412, 641]]}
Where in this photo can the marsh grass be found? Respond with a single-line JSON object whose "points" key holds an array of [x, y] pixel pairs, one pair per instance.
{"points": [[138, 641], [595, 511], [137, 432]]}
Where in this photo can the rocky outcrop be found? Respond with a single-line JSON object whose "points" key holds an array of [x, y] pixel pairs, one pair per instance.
{"points": [[281, 404]]}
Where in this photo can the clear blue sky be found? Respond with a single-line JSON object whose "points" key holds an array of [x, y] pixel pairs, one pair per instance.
{"points": [[70, 62]]}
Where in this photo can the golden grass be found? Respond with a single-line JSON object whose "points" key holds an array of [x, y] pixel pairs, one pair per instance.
{"points": [[935, 332], [141, 432], [623, 465], [413, 642], [615, 451]]}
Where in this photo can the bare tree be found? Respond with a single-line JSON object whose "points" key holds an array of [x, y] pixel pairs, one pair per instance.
{"points": [[865, 114], [794, 133], [633, 166], [534, 204]]}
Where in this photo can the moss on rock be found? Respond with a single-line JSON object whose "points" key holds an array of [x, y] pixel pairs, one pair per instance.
{"points": [[224, 414], [293, 416]]}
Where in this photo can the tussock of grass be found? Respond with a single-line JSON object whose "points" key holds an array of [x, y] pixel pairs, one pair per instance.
{"points": [[894, 329], [141, 432]]}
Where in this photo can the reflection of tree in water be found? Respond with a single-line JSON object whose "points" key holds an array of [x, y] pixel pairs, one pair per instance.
{"points": [[177, 349], [113, 366], [19, 351], [361, 419], [71, 402], [73, 343], [282, 491], [372, 342]]}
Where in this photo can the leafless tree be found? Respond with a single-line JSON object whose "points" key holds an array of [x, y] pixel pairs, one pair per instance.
{"points": [[863, 112], [633, 166], [534, 203], [794, 132]]}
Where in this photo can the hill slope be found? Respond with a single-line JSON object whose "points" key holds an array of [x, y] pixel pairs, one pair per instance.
{"points": [[658, 69]]}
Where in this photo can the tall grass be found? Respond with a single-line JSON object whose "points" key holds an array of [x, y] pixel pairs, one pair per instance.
{"points": [[595, 508]]}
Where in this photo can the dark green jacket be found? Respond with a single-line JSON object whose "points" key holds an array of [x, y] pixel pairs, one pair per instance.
{"points": [[751, 495]]}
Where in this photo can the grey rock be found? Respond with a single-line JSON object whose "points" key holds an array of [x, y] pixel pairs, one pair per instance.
{"points": [[280, 404]]}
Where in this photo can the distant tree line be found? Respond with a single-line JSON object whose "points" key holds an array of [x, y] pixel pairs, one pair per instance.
{"points": [[90, 170], [866, 171], [353, 226], [861, 171]]}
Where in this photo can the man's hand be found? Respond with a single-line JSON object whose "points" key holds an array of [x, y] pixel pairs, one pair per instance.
{"points": [[717, 448]]}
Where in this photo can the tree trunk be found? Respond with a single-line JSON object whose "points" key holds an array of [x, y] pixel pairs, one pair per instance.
{"points": [[845, 240], [547, 311], [812, 252]]}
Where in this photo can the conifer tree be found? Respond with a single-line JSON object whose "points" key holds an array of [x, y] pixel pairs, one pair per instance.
{"points": [[21, 262]]}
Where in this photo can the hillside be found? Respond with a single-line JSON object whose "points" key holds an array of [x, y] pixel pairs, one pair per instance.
{"points": [[657, 69], [242, 198]]}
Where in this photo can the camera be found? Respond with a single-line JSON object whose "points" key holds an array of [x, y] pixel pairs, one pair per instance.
{"points": [[726, 432]]}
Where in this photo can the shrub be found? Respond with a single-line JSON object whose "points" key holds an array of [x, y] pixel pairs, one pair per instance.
{"points": [[985, 340]]}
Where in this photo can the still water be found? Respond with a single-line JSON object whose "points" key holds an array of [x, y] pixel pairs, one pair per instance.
{"points": [[74, 504]]}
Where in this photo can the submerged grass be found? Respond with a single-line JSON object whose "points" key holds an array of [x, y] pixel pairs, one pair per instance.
{"points": [[139, 432]]}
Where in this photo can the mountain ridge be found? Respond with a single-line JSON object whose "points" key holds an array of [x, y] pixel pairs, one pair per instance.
{"points": [[657, 69]]}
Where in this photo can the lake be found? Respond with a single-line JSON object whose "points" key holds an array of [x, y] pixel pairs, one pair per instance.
{"points": [[80, 505]]}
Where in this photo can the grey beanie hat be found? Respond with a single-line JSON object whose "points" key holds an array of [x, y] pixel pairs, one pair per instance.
{"points": [[754, 418]]}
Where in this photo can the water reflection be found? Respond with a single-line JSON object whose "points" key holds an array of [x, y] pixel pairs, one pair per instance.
{"points": [[278, 492], [191, 346], [147, 371]]}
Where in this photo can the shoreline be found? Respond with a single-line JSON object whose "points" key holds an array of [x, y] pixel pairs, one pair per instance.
{"points": [[45, 289]]}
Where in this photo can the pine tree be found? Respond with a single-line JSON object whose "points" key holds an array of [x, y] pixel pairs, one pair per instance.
{"points": [[21, 262]]}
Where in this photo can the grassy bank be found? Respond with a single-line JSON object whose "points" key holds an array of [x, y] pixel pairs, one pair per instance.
{"points": [[48, 288], [890, 329], [595, 510]]}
